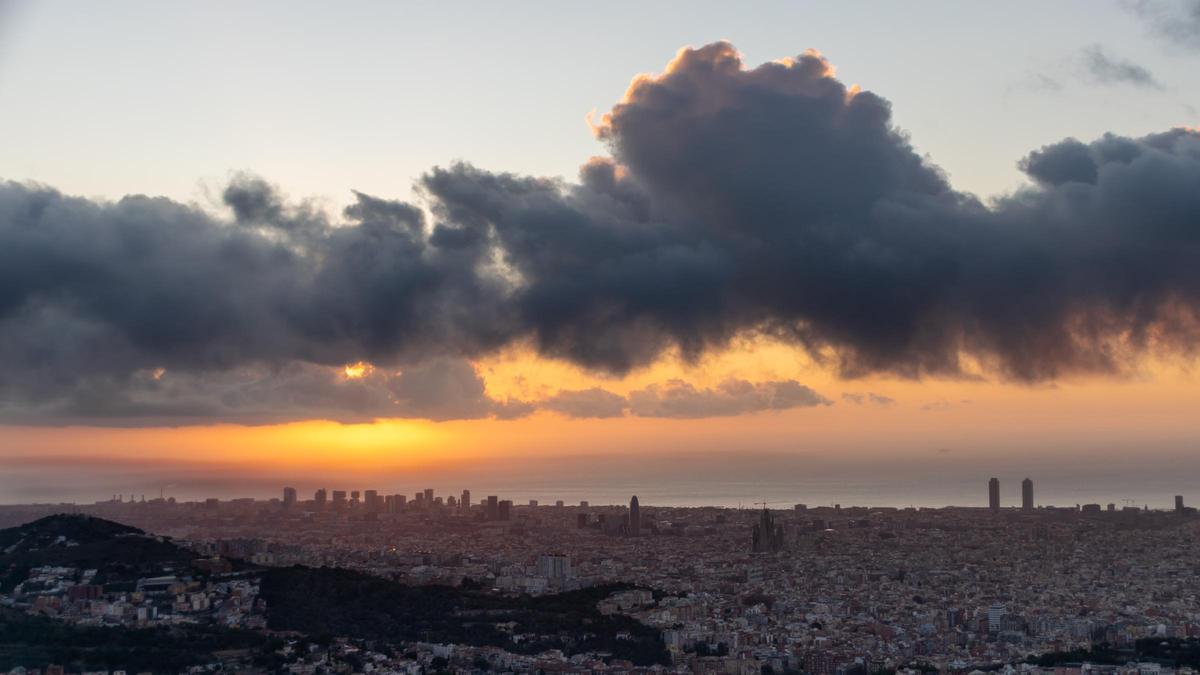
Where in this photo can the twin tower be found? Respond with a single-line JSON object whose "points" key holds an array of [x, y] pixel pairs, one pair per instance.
{"points": [[994, 495]]}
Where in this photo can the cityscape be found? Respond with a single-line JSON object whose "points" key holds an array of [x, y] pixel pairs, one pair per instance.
{"points": [[686, 337], [786, 589]]}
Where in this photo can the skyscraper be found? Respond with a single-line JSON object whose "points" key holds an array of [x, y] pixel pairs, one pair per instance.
{"points": [[635, 517], [466, 499], [371, 500], [1027, 495], [994, 495], [319, 499], [493, 507], [1178, 503], [289, 497]]}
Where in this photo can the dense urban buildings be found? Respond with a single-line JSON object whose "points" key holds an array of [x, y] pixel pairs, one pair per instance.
{"points": [[824, 590]]}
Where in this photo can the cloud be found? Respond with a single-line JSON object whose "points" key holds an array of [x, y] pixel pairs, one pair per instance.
{"points": [[1177, 21], [771, 200], [1104, 68], [583, 403], [943, 404], [859, 398], [679, 399]]}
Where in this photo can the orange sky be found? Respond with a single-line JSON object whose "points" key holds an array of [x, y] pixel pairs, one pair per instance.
{"points": [[1148, 411]]}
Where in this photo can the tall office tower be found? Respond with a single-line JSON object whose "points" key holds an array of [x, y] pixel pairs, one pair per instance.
{"points": [[289, 497], [451, 501], [994, 495], [493, 507], [371, 500], [558, 504], [767, 536], [466, 499], [419, 500], [319, 498], [635, 517], [1027, 495], [389, 503], [339, 499], [355, 498], [1178, 503], [533, 502], [401, 501], [504, 509], [583, 504], [428, 495]]}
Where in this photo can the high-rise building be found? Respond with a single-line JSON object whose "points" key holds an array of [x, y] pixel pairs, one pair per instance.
{"points": [[1178, 503], [994, 495], [635, 517], [339, 499], [466, 499], [319, 498], [583, 504], [429, 495], [371, 500], [554, 566], [995, 615], [767, 536], [355, 498], [1027, 495], [401, 501], [493, 507], [558, 504], [504, 509], [533, 502], [289, 497], [581, 520]]}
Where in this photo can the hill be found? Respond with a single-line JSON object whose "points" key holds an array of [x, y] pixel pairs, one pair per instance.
{"points": [[120, 553]]}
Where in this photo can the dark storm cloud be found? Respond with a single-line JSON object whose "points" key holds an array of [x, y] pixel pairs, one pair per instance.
{"points": [[771, 200], [1104, 68]]}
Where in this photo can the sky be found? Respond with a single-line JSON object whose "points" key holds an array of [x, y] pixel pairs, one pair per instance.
{"points": [[449, 241]]}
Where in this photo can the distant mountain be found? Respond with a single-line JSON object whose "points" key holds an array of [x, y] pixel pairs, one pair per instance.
{"points": [[120, 553]]}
